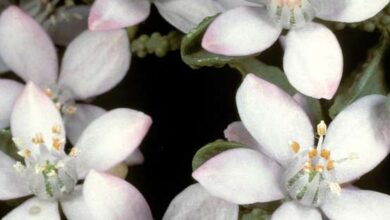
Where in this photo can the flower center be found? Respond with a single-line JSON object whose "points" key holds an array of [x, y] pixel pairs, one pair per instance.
{"points": [[50, 173], [62, 99], [310, 176], [291, 13]]}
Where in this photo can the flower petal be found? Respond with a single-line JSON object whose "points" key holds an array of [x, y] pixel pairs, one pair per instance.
{"points": [[241, 176], [135, 158], [241, 31], [3, 67], [74, 206], [196, 203], [109, 197], [273, 118], [11, 183], [26, 48], [229, 4], [9, 91], [186, 14], [293, 211], [313, 61], [348, 10], [65, 29], [109, 139], [35, 209], [237, 132], [76, 123], [355, 204], [34, 113], [95, 62], [114, 14], [360, 131]]}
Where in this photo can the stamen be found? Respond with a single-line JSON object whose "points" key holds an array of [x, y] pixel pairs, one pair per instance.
{"points": [[49, 92], [321, 129], [19, 167], [325, 153], [335, 188], [57, 143], [313, 153], [330, 165], [56, 129], [38, 139], [295, 146], [25, 153], [74, 152]]}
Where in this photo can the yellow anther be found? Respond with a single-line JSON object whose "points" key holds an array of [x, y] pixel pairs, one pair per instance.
{"points": [[295, 146], [321, 128], [74, 152], [25, 153], [312, 153], [319, 168], [325, 153], [49, 92], [290, 3], [308, 167], [56, 129], [71, 109], [330, 165], [57, 143], [38, 139]]}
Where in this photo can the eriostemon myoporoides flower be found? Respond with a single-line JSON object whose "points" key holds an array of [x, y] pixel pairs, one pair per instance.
{"points": [[52, 174], [286, 160]]}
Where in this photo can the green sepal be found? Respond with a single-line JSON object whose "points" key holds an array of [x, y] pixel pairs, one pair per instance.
{"points": [[7, 146], [192, 52], [270, 73], [255, 214], [369, 79], [211, 150]]}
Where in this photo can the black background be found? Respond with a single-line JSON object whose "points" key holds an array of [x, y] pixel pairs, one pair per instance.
{"points": [[191, 108]]}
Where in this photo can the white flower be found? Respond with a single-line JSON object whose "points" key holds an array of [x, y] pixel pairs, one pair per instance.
{"points": [[52, 175], [312, 58], [93, 63], [284, 161], [183, 14]]}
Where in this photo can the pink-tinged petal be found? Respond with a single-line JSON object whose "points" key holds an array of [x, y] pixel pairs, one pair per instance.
{"points": [[74, 206], [241, 176], [313, 61], [359, 137], [237, 132], [114, 14], [35, 209], [348, 10], [241, 31], [294, 211], [196, 203], [273, 118], [76, 123], [34, 113], [95, 62], [135, 158], [355, 204], [26, 48], [64, 30], [109, 197], [12, 184], [187, 14], [110, 139], [9, 91]]}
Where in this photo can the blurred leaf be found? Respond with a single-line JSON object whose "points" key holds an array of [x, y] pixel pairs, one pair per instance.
{"points": [[270, 73], [255, 214], [7, 145], [211, 150], [192, 52], [369, 79]]}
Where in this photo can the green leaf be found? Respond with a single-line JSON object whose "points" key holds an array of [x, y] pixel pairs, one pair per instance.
{"points": [[7, 145], [255, 214], [369, 79], [192, 52], [270, 73], [211, 150]]}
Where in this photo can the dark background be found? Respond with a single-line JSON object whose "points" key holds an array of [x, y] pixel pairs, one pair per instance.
{"points": [[191, 108]]}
